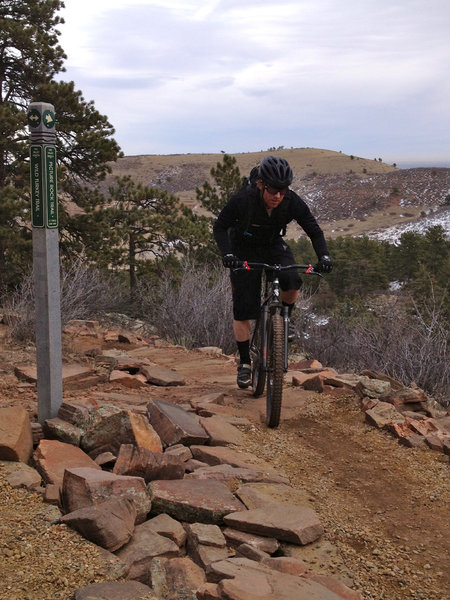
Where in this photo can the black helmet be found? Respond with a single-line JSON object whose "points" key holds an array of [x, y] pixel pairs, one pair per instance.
{"points": [[275, 171]]}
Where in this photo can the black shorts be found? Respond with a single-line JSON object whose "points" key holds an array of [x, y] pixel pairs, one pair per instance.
{"points": [[246, 285]]}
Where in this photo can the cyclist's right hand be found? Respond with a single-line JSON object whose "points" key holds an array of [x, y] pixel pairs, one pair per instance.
{"points": [[230, 261]]}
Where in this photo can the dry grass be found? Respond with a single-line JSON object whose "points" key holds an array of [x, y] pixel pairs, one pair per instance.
{"points": [[183, 172]]}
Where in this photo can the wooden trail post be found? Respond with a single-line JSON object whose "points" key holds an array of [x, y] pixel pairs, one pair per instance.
{"points": [[44, 220]]}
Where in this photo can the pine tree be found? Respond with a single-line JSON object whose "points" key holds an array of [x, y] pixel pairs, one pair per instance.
{"points": [[227, 180], [144, 224], [30, 59]]}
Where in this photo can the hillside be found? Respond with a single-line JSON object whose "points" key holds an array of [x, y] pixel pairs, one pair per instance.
{"points": [[350, 195]]}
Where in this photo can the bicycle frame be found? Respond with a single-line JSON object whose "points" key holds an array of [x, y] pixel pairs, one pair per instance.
{"points": [[269, 340]]}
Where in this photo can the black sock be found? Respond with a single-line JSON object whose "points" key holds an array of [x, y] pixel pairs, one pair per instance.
{"points": [[290, 307], [244, 351]]}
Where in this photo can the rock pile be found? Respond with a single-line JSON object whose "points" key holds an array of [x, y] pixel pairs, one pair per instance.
{"points": [[165, 496], [168, 499], [406, 412]]}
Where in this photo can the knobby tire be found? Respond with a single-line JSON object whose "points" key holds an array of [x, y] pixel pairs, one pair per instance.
{"points": [[275, 370], [257, 352]]}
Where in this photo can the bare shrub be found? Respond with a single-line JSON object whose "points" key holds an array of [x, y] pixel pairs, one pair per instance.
{"points": [[194, 312], [409, 343], [85, 292]]}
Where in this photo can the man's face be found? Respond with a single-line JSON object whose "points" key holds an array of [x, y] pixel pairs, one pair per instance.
{"points": [[272, 197]]}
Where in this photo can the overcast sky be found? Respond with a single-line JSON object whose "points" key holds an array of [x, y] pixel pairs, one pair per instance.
{"points": [[365, 77]]}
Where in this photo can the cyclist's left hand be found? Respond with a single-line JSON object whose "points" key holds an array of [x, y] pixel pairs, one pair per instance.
{"points": [[324, 265]]}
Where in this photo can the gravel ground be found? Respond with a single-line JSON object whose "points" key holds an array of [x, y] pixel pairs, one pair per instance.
{"points": [[385, 508]]}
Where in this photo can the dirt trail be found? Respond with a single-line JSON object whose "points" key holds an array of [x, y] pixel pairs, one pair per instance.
{"points": [[385, 508]]}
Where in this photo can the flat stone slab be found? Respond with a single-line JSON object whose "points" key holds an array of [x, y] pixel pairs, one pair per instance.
{"points": [[296, 524], [259, 495], [235, 538], [228, 473], [161, 375], [53, 457], [218, 455], [113, 590], [220, 432], [193, 501], [242, 579], [175, 425], [70, 373]]}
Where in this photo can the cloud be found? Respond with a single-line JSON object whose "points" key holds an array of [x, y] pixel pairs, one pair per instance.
{"points": [[181, 74]]}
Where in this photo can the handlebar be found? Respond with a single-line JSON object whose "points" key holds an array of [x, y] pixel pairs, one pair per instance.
{"points": [[308, 269]]}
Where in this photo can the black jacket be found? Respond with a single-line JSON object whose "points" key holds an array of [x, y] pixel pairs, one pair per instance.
{"points": [[244, 222]]}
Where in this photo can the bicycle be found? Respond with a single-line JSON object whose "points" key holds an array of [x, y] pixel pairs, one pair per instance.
{"points": [[269, 341]]}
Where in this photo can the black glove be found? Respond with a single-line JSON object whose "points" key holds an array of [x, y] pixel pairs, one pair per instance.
{"points": [[324, 265], [230, 261]]}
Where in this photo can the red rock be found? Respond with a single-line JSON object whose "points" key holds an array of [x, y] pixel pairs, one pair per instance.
{"points": [[80, 415], [334, 585], [228, 473], [235, 538], [183, 452], [295, 524], [174, 425], [286, 564], [150, 465], [53, 457], [193, 501], [167, 527], [63, 431], [113, 590], [89, 487], [306, 364], [176, 578], [209, 591], [161, 376], [127, 379], [206, 534], [121, 427], [383, 414], [109, 524], [220, 432], [249, 551], [216, 455], [20, 475], [16, 440], [143, 547], [244, 579], [52, 494], [373, 388]]}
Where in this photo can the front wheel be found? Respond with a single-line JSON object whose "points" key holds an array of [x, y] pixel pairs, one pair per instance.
{"points": [[275, 370], [256, 354]]}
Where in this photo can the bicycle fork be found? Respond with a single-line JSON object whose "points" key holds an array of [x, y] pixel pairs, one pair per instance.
{"points": [[285, 313]]}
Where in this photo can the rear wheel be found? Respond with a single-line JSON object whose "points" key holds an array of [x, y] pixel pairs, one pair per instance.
{"points": [[275, 370], [256, 354]]}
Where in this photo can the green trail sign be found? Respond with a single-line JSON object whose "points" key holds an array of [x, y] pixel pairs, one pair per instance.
{"points": [[37, 186], [44, 192], [50, 178]]}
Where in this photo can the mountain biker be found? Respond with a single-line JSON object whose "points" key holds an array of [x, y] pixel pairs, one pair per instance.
{"points": [[250, 227]]}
